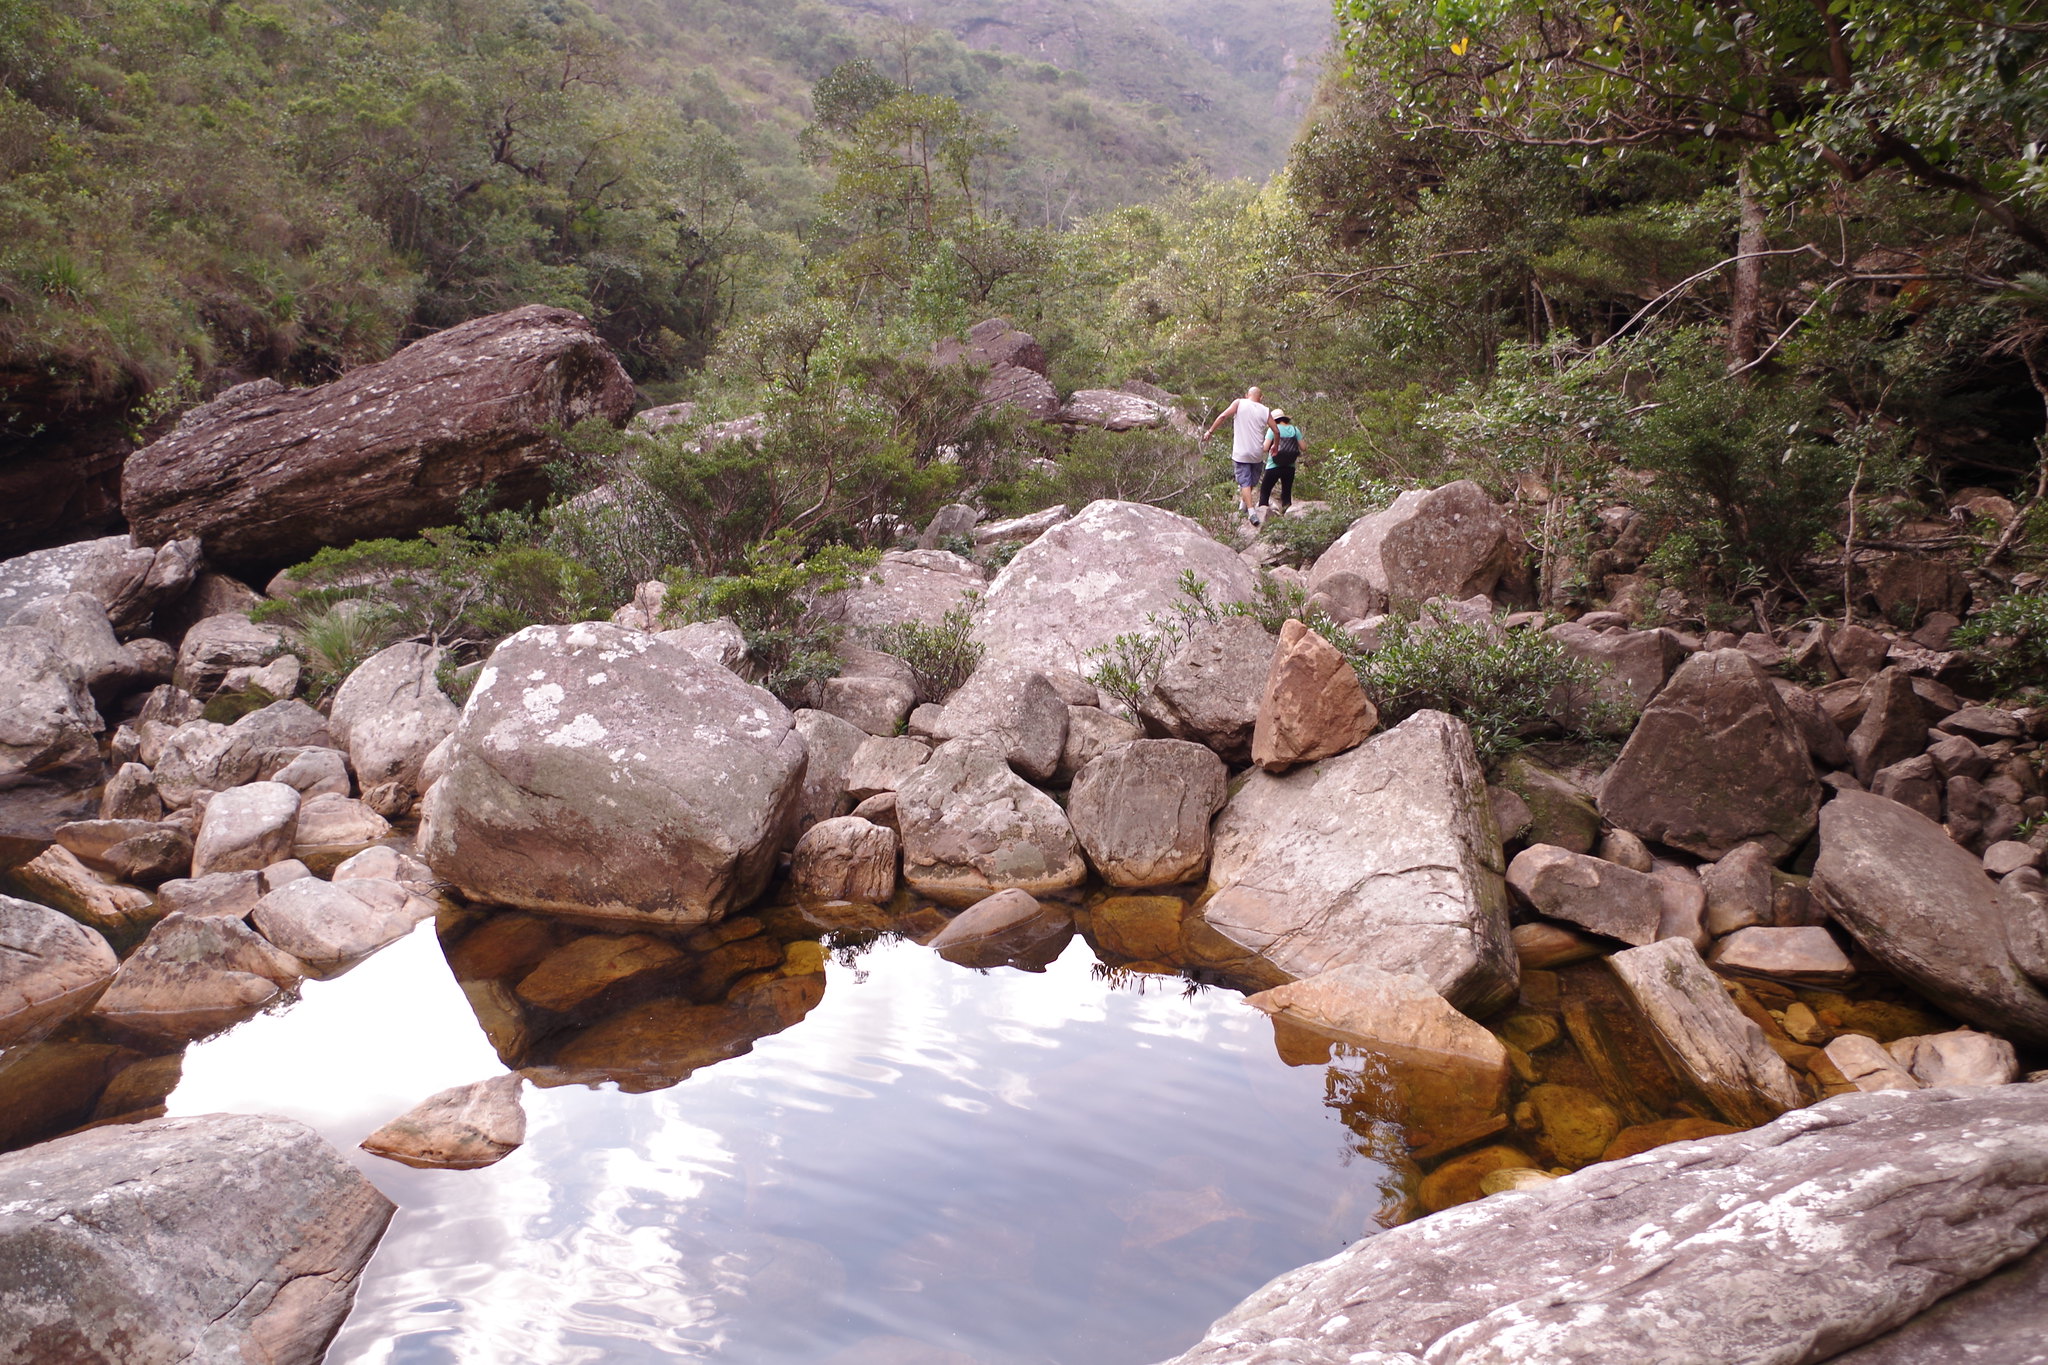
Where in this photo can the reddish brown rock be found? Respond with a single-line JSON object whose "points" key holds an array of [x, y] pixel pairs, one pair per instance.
{"points": [[1313, 707], [265, 475], [846, 859], [460, 1129]]}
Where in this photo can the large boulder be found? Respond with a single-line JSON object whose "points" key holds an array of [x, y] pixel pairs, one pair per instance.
{"points": [[40, 574], [829, 745], [971, 827], [909, 586], [194, 975], [1015, 362], [390, 713], [246, 829], [80, 627], [1633, 665], [1015, 711], [1209, 691], [845, 859], [201, 757], [131, 581], [266, 475], [1451, 542], [1589, 892], [230, 1238], [1791, 1242], [1142, 811], [329, 925], [1924, 907], [1384, 855], [1313, 705], [602, 771], [219, 645], [48, 722], [51, 967], [1098, 575], [1110, 409], [1716, 760]]}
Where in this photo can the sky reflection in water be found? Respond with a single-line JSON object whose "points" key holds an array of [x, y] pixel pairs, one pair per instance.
{"points": [[935, 1167]]}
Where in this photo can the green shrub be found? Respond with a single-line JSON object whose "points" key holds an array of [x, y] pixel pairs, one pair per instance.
{"points": [[792, 642], [2008, 641], [1302, 539], [1507, 685], [941, 657], [1131, 663]]}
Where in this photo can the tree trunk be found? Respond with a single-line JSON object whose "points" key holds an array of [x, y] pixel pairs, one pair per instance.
{"points": [[1746, 293]]}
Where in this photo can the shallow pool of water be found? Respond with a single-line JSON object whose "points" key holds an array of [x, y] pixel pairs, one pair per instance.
{"points": [[932, 1165]]}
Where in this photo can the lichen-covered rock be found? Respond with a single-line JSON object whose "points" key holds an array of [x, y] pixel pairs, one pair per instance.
{"points": [[194, 975], [229, 1238], [329, 925], [1875, 1207], [1451, 542], [1142, 812], [246, 829], [1715, 760], [219, 645], [1209, 691], [265, 475], [919, 586], [1384, 855], [1101, 574], [79, 625], [847, 859], [600, 771], [1015, 712], [1923, 906], [390, 712], [47, 718], [1111, 410], [971, 827]]}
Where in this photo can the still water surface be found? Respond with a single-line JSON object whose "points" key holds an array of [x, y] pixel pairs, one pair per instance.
{"points": [[935, 1166]]}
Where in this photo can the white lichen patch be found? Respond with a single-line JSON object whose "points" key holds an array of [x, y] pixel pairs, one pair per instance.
{"points": [[598, 679], [542, 703], [579, 733]]}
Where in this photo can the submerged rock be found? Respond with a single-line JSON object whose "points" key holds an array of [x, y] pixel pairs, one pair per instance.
{"points": [[600, 771], [459, 1129], [1875, 1207], [1009, 929], [226, 1238], [1384, 855]]}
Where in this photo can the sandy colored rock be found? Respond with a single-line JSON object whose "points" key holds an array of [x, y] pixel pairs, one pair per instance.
{"points": [[246, 829], [1540, 947], [51, 968], [830, 743], [332, 828], [57, 878], [1960, 1057], [459, 1129], [1701, 1032], [599, 771], [47, 718], [882, 762], [193, 976], [1313, 705], [1016, 712], [1384, 855], [1805, 956], [1092, 732], [390, 712], [1867, 1065], [331, 925], [847, 859]]}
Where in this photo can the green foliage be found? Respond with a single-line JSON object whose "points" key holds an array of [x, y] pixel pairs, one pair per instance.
{"points": [[2008, 641], [792, 640], [1131, 663], [941, 657], [1302, 539], [1508, 685]]}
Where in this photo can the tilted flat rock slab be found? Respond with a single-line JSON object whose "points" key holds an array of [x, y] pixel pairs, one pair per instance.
{"points": [[601, 771], [265, 475], [1097, 576], [1923, 906], [228, 1239], [1384, 855], [1708, 1039], [1790, 1243]]}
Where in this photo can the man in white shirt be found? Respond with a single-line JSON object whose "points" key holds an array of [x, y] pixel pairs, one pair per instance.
{"points": [[1250, 420]]}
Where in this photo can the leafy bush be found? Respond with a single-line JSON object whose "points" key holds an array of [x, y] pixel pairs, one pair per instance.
{"points": [[1507, 685], [2008, 641], [792, 642], [941, 657], [1132, 661], [1303, 538]]}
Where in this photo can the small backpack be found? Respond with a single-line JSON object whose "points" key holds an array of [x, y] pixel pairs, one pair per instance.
{"points": [[1287, 446]]}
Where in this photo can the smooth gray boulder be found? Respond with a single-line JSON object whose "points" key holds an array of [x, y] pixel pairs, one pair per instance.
{"points": [[390, 712], [1793, 1242], [202, 757], [232, 1239], [1101, 574], [1451, 542], [1924, 907], [1385, 854], [1589, 892], [830, 744], [906, 587], [219, 644], [1142, 812], [972, 827], [881, 763], [1015, 711], [1715, 761], [80, 627], [1209, 691], [131, 581], [1634, 665], [1996, 1321], [602, 771], [48, 722], [51, 967]]}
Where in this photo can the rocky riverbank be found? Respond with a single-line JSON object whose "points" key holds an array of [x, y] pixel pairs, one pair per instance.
{"points": [[1808, 871]]}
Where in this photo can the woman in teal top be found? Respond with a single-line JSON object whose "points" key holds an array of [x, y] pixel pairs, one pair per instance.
{"points": [[1283, 448]]}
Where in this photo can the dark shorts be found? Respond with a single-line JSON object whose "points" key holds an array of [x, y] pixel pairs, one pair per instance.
{"points": [[1248, 472]]}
